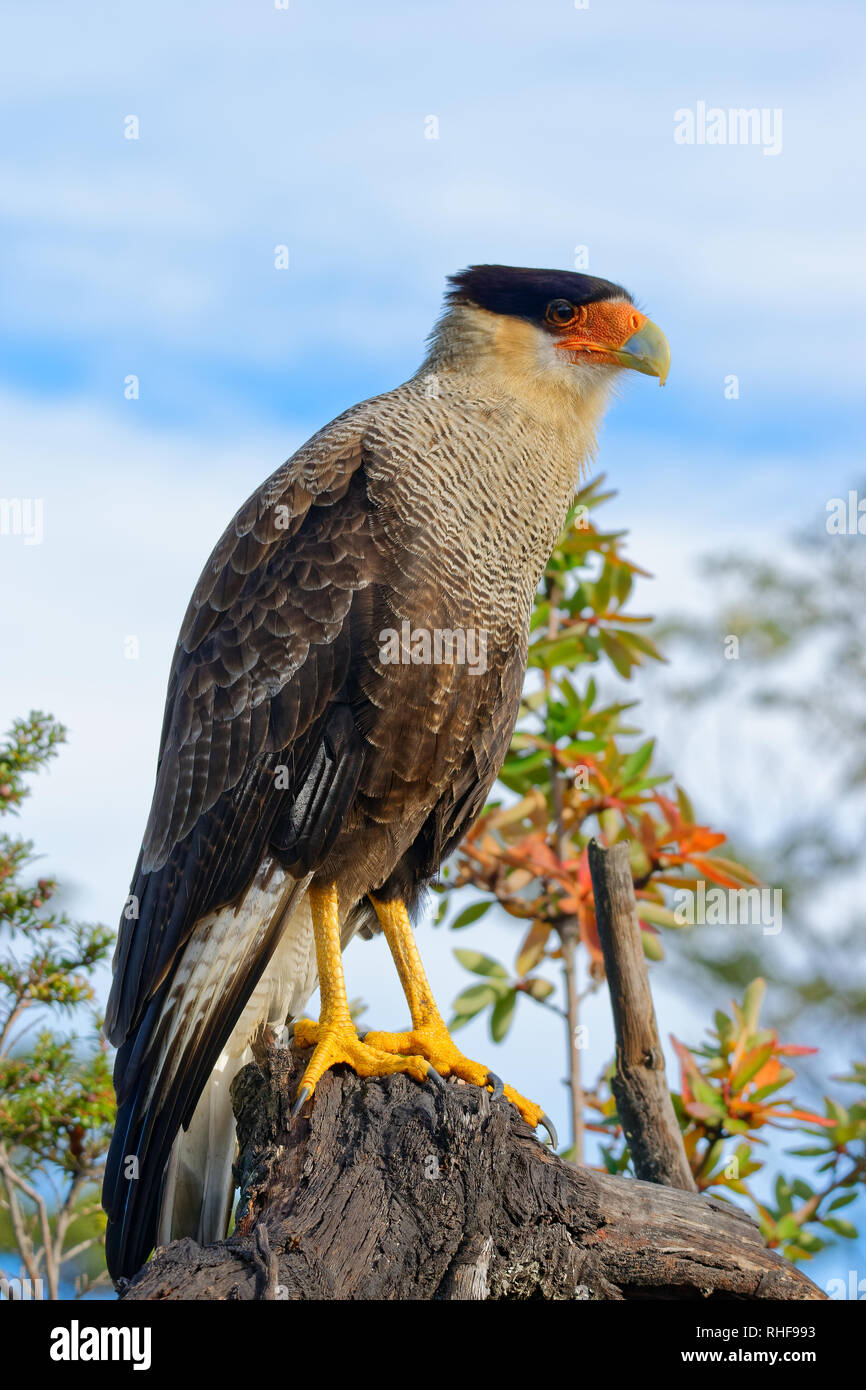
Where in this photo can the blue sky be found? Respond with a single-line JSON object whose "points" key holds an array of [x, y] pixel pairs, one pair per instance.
{"points": [[306, 128]]}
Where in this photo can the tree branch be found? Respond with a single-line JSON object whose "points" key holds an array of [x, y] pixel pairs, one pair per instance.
{"points": [[388, 1190], [639, 1085], [12, 1180]]}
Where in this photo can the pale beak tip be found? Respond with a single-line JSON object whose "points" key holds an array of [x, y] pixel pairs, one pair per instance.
{"points": [[647, 351]]}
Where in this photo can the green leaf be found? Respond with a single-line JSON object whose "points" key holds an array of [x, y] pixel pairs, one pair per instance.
{"points": [[502, 1015], [470, 914], [736, 1126], [619, 655], [601, 591], [657, 914], [843, 1201], [652, 947], [839, 1227], [474, 999], [622, 582], [641, 644], [637, 761], [480, 964], [752, 1000], [687, 811], [704, 1092], [539, 989]]}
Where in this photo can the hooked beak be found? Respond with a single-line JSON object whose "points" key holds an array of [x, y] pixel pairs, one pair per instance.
{"points": [[646, 351]]}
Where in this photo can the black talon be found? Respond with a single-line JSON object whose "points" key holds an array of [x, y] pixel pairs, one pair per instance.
{"points": [[303, 1094], [433, 1075], [498, 1085], [547, 1123]]}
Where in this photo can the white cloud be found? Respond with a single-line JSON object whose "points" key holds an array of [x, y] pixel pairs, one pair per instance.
{"points": [[262, 126]]}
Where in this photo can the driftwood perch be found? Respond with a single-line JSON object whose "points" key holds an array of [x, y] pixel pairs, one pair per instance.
{"points": [[392, 1190], [639, 1085]]}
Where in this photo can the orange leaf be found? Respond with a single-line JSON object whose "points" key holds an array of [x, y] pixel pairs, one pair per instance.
{"points": [[589, 932], [533, 946], [708, 868]]}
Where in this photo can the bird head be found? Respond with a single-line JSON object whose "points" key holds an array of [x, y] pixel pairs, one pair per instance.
{"points": [[568, 328]]}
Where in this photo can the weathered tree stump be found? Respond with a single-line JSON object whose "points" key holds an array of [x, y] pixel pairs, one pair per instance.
{"points": [[392, 1190]]}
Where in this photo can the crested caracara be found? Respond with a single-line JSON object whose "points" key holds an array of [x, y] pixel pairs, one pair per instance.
{"points": [[309, 785]]}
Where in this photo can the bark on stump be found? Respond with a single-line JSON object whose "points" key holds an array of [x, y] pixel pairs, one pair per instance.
{"points": [[387, 1189]]}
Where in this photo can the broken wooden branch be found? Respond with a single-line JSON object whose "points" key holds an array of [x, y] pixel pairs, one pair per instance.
{"points": [[639, 1084]]}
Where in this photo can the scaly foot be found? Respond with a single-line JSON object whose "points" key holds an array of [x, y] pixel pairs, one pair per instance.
{"points": [[337, 1041], [434, 1042]]}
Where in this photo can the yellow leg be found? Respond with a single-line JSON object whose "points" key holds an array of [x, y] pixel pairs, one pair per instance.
{"points": [[334, 1037], [429, 1036]]}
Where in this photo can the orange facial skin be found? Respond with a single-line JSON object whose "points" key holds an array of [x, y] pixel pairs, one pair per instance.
{"points": [[600, 329]]}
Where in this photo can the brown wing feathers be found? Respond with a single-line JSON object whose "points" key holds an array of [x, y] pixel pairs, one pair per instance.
{"points": [[263, 656], [252, 674]]}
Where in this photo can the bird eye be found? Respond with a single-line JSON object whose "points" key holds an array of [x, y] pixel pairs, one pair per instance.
{"points": [[559, 312]]}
